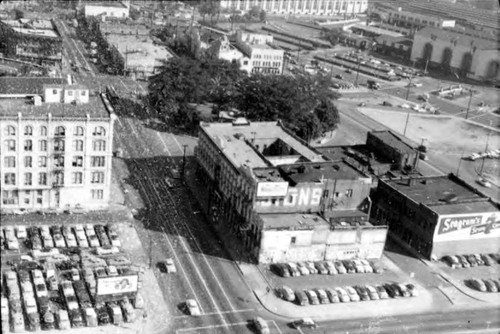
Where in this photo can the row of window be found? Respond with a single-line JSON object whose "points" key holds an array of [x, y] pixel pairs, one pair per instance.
{"points": [[77, 161], [11, 197], [60, 131], [76, 178], [59, 145], [275, 57], [298, 5]]}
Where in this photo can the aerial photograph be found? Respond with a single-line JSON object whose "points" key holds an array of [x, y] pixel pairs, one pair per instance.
{"points": [[250, 166]]}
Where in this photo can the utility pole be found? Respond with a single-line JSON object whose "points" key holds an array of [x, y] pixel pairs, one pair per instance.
{"points": [[406, 123], [409, 86], [426, 63], [468, 106], [357, 73], [184, 160], [485, 150]]}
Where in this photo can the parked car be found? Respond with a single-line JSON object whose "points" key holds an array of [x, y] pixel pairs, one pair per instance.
{"points": [[90, 317], [304, 323], [382, 292], [472, 260], [312, 296], [128, 310], [331, 268], [21, 232], [281, 269], [349, 266], [372, 292], [192, 307], [301, 266], [168, 266], [479, 260], [48, 320], [451, 261], [30, 305], [17, 321], [358, 265], [103, 317], [485, 183], [116, 313], [353, 295], [310, 266], [366, 266], [412, 289], [139, 301], [490, 285], [463, 261], [323, 297], [403, 290], [71, 303], [41, 290], [488, 261], [377, 268], [33, 322], [59, 241], [478, 284], [362, 293], [341, 269], [286, 293], [301, 298], [391, 290], [62, 320], [113, 235], [332, 295], [343, 295], [67, 288], [495, 257], [261, 325], [75, 316], [321, 268], [103, 237]]}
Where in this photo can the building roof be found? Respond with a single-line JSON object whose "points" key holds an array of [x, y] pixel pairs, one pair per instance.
{"points": [[316, 172], [376, 30], [43, 28], [121, 28], [461, 37], [27, 85], [292, 221], [390, 139], [95, 108], [116, 4], [235, 141], [443, 194]]}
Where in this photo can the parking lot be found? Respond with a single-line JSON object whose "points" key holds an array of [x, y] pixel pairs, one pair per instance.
{"points": [[67, 276]]}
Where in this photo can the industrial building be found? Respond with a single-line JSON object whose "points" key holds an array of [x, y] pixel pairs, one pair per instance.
{"points": [[56, 147], [282, 198], [438, 216]]}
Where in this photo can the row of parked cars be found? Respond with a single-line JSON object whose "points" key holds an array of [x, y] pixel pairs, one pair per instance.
{"points": [[72, 236], [484, 285], [492, 154], [471, 260], [304, 268], [347, 294]]}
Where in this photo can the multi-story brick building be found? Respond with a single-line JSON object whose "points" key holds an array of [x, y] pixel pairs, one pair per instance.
{"points": [[56, 153], [298, 7], [438, 216], [260, 55], [284, 199]]}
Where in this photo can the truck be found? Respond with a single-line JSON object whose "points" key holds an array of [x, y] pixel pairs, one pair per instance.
{"points": [[372, 84]]}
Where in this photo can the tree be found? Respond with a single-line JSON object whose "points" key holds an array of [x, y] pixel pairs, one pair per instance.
{"points": [[18, 14], [262, 15], [254, 12]]}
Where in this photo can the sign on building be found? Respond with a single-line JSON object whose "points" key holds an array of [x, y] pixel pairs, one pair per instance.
{"points": [[460, 227], [272, 189]]}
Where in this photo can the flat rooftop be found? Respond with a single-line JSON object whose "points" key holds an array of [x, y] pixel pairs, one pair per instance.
{"points": [[27, 85], [376, 30], [42, 28], [95, 108], [292, 221], [116, 4], [392, 140], [316, 172], [139, 51], [121, 28], [235, 142], [443, 194]]}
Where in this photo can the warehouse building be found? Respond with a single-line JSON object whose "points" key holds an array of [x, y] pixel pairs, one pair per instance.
{"points": [[56, 147], [282, 198], [438, 216]]}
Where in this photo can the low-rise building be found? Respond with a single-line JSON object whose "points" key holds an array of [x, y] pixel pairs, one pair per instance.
{"points": [[438, 216], [261, 56], [263, 184], [56, 148], [36, 41], [108, 9]]}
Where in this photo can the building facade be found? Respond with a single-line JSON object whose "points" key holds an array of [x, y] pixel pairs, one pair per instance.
{"points": [[264, 183], [438, 216], [35, 41], [56, 154], [108, 9], [300, 7], [260, 55]]}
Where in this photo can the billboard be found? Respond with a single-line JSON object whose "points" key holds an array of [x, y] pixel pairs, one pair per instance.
{"points": [[272, 189], [468, 226], [116, 285]]}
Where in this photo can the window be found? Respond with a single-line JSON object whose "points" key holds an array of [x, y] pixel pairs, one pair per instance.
{"points": [[99, 145], [10, 145], [60, 131], [82, 93], [42, 161], [99, 131], [59, 145], [97, 193], [9, 162], [70, 93], [77, 177], [28, 130], [97, 177], [59, 179], [78, 131], [10, 131], [28, 145], [77, 161], [43, 131], [54, 91], [43, 145], [28, 162], [59, 161], [77, 145], [348, 192], [97, 161], [10, 197], [42, 179], [10, 179], [293, 240], [27, 179]]}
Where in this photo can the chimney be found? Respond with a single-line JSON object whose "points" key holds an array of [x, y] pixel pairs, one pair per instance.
{"points": [[37, 100], [69, 79]]}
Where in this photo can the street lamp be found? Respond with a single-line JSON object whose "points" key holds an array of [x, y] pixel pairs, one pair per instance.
{"points": [[468, 106], [409, 86], [184, 160]]}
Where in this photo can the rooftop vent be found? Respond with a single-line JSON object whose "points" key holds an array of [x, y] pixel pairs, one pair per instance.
{"points": [[241, 121], [450, 198], [301, 169]]}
